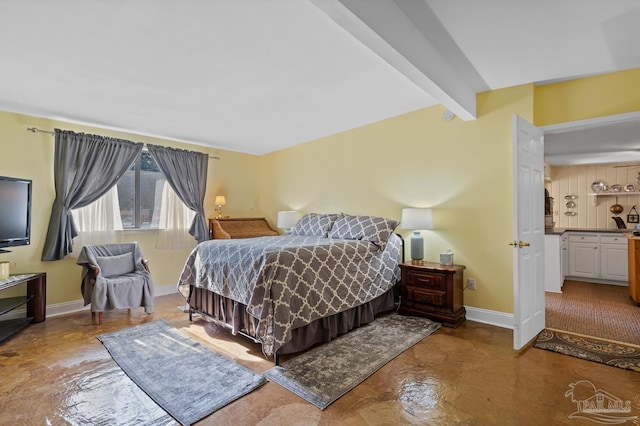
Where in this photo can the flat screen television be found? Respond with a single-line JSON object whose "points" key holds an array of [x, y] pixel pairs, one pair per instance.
{"points": [[15, 212]]}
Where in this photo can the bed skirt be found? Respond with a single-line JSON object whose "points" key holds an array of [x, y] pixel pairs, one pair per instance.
{"points": [[234, 316]]}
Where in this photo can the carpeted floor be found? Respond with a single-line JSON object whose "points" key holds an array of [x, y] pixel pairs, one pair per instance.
{"points": [[599, 310]]}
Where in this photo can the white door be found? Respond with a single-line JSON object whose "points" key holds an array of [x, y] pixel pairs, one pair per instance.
{"points": [[528, 231]]}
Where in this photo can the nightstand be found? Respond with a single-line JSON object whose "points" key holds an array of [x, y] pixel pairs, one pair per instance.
{"points": [[433, 291]]}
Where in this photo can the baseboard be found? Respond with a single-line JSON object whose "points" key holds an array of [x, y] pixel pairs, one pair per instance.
{"points": [[485, 316], [598, 281], [58, 309], [163, 290], [52, 310]]}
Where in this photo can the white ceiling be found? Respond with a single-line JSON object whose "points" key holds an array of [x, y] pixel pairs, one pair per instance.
{"points": [[614, 139], [257, 76]]}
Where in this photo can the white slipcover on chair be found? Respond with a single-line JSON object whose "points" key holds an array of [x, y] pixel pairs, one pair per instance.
{"points": [[115, 276]]}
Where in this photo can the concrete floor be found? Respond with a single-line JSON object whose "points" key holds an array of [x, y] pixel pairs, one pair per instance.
{"points": [[57, 373]]}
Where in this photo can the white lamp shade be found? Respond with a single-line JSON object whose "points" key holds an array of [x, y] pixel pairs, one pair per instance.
{"points": [[417, 218], [220, 200], [287, 219]]}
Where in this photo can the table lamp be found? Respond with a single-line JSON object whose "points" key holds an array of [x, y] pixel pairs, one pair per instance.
{"points": [[220, 201], [287, 220], [417, 219]]}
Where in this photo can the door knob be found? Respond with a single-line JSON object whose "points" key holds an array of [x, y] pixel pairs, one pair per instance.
{"points": [[519, 244]]}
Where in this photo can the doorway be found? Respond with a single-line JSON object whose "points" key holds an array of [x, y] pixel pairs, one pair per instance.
{"points": [[581, 143]]}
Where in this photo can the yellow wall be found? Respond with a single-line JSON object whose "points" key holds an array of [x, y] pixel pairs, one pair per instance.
{"points": [[580, 99], [28, 155], [461, 169]]}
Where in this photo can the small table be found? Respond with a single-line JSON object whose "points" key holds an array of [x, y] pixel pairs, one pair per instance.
{"points": [[35, 299], [433, 291]]}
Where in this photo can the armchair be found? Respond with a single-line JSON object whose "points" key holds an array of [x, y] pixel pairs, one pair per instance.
{"points": [[115, 276]]}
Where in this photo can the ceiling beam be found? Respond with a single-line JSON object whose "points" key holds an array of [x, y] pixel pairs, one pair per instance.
{"points": [[408, 36]]}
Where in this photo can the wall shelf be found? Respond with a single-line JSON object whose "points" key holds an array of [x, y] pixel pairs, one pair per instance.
{"points": [[600, 194], [595, 195]]}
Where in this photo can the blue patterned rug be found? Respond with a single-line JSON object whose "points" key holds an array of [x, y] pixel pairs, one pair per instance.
{"points": [[325, 373], [183, 377], [616, 354]]}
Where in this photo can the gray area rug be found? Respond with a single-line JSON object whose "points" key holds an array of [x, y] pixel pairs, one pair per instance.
{"points": [[183, 377], [325, 373]]}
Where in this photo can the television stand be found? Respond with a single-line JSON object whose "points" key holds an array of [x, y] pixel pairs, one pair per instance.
{"points": [[35, 299]]}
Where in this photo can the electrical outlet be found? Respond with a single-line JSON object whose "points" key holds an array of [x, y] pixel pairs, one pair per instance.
{"points": [[471, 283]]}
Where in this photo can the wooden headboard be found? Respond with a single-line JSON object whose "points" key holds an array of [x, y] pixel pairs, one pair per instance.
{"points": [[245, 227]]}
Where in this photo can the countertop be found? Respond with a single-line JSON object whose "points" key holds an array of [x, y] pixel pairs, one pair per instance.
{"points": [[560, 231]]}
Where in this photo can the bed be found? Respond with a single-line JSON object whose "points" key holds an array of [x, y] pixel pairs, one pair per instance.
{"points": [[332, 273]]}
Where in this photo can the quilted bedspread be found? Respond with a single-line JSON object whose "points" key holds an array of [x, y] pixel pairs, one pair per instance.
{"points": [[289, 281]]}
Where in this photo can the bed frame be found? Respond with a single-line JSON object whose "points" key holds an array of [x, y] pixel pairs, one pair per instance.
{"points": [[233, 315]]}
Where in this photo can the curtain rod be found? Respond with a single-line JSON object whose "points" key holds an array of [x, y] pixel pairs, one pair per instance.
{"points": [[36, 130]]}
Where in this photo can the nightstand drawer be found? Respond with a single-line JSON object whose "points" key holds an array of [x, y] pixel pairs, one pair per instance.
{"points": [[424, 296], [425, 280], [433, 291]]}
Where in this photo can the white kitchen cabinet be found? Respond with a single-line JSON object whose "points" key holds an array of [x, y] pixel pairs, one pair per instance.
{"points": [[614, 263], [584, 256], [597, 256], [553, 276]]}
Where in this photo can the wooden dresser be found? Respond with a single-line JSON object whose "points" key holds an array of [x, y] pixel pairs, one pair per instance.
{"points": [[433, 291], [244, 227]]}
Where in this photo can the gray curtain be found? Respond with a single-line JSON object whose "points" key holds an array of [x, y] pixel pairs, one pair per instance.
{"points": [[186, 173], [85, 168]]}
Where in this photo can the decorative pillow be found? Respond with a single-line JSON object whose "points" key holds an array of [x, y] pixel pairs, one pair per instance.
{"points": [[367, 228], [314, 224], [113, 266]]}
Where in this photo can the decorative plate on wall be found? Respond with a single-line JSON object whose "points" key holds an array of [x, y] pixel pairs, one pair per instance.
{"points": [[599, 186]]}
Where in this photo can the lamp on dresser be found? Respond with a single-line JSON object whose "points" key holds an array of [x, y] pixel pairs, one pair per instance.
{"points": [[417, 219], [287, 220], [220, 201]]}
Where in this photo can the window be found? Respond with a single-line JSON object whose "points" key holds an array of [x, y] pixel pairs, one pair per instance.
{"points": [[140, 194], [142, 199]]}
